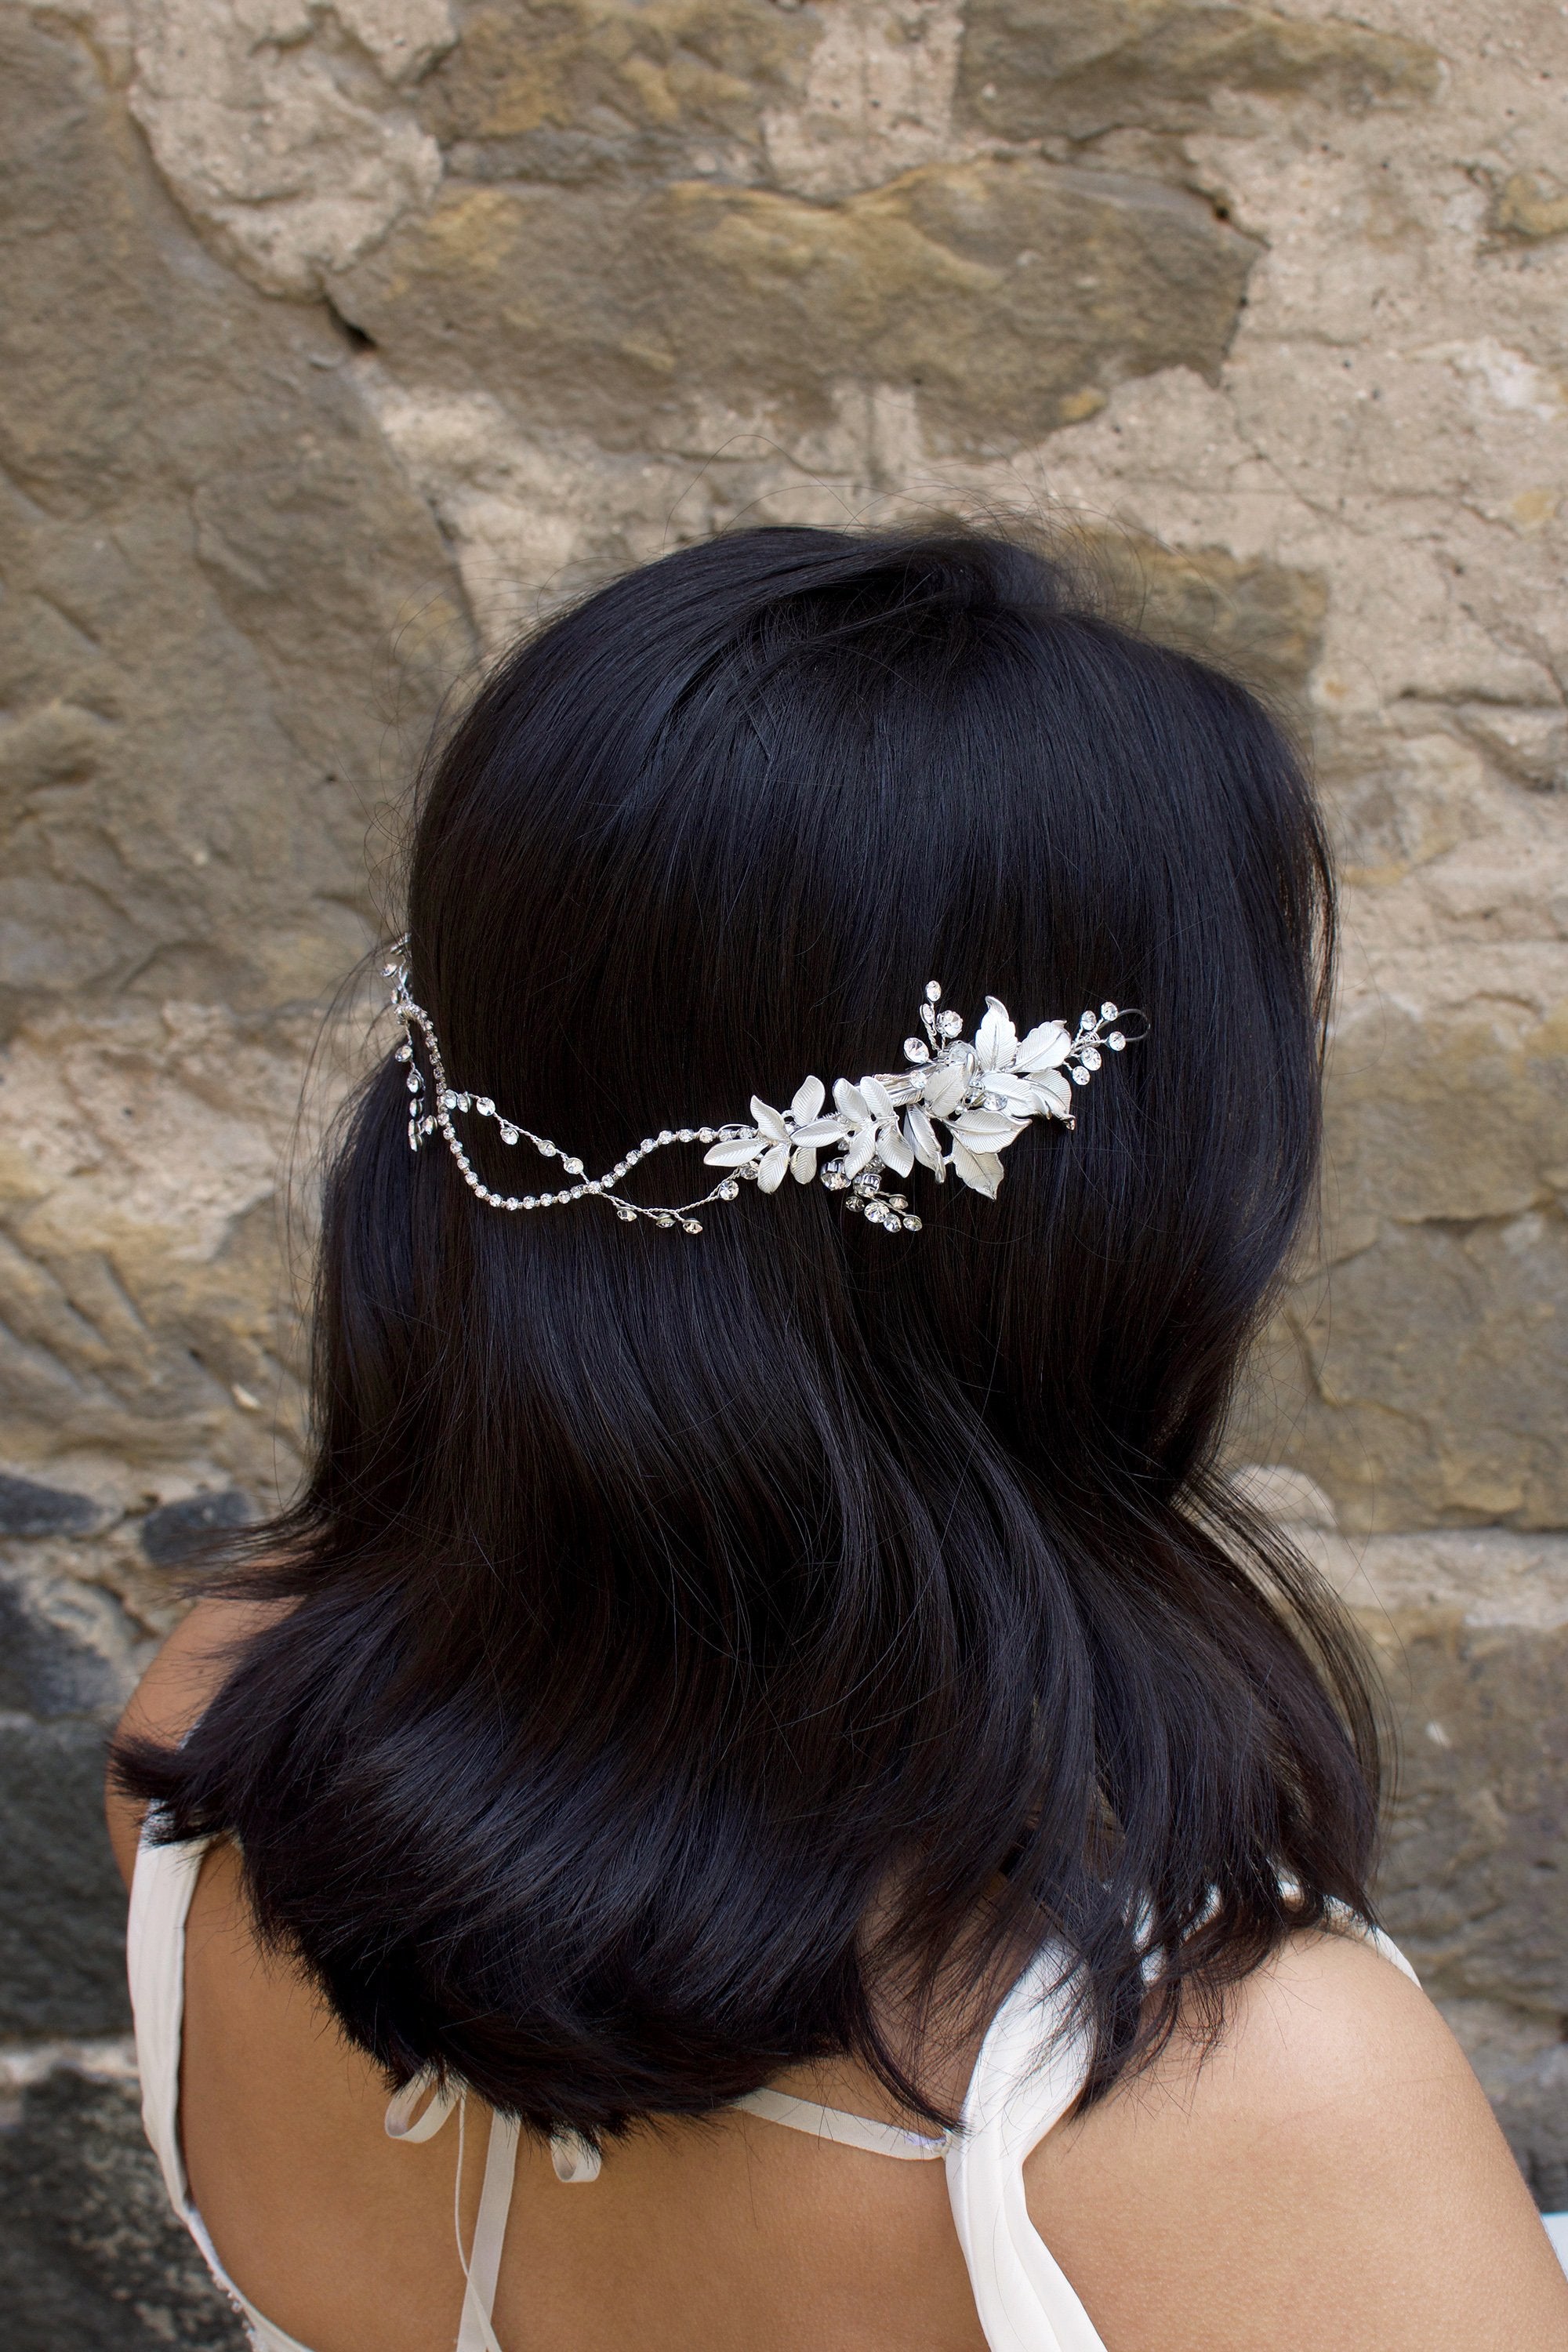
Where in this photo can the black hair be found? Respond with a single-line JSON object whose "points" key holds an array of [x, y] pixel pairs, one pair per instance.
{"points": [[695, 1639]]}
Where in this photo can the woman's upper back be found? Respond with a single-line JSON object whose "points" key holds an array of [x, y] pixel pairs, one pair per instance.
{"points": [[1331, 2166]]}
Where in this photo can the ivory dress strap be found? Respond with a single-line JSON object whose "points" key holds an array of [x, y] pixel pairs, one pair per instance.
{"points": [[481, 2268], [847, 2130], [1031, 2067]]}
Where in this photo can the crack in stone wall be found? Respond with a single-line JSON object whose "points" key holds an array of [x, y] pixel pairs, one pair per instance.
{"points": [[344, 340]]}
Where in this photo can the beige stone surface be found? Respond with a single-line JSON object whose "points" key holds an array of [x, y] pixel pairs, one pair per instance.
{"points": [[150, 1330], [346, 336], [275, 122], [226, 617]]}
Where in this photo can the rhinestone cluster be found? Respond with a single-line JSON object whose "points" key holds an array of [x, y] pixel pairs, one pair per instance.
{"points": [[983, 1093]]}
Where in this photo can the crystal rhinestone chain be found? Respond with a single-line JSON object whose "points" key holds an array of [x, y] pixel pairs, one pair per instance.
{"points": [[425, 1121]]}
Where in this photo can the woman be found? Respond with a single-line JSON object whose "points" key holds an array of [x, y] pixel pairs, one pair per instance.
{"points": [[765, 1685]]}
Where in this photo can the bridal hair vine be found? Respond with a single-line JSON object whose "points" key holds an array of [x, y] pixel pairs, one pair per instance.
{"points": [[983, 1091]]}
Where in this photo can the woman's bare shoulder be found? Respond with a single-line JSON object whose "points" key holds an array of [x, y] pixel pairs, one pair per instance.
{"points": [[172, 1693], [1331, 2171]]}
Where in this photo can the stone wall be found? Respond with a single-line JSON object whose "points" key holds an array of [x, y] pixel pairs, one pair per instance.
{"points": [[342, 339]]}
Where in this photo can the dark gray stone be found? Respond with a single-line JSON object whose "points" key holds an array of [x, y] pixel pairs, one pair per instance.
{"points": [[90, 2256], [45, 1668], [62, 1906], [1522, 2062], [29, 1509], [178, 1530], [1473, 1881]]}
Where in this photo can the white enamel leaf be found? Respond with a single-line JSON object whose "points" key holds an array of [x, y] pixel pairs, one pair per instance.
{"points": [[861, 1149], [1054, 1094], [945, 1089], [769, 1123], [921, 1138], [822, 1130], [1044, 1048], [803, 1165], [987, 1130], [809, 1098], [737, 1154], [981, 1171], [773, 1168], [876, 1099], [894, 1152], [850, 1101], [1012, 1089], [995, 1040]]}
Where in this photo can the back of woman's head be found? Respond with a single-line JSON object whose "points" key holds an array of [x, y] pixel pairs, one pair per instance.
{"points": [[698, 1637]]}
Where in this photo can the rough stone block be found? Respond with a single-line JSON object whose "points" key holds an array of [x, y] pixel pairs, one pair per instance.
{"points": [[583, 89], [1530, 205], [1420, 1378], [207, 551], [1448, 1098], [67, 1646], [1470, 1633], [1006, 293], [1033, 68], [138, 1229], [70, 1651], [62, 1906], [179, 1530], [90, 2256], [27, 1508], [1434, 1361], [1262, 619], [200, 71]]}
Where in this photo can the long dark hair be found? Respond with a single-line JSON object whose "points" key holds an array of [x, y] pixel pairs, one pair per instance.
{"points": [[695, 1638]]}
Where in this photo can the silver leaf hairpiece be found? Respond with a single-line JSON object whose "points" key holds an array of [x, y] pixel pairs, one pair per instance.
{"points": [[983, 1091]]}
